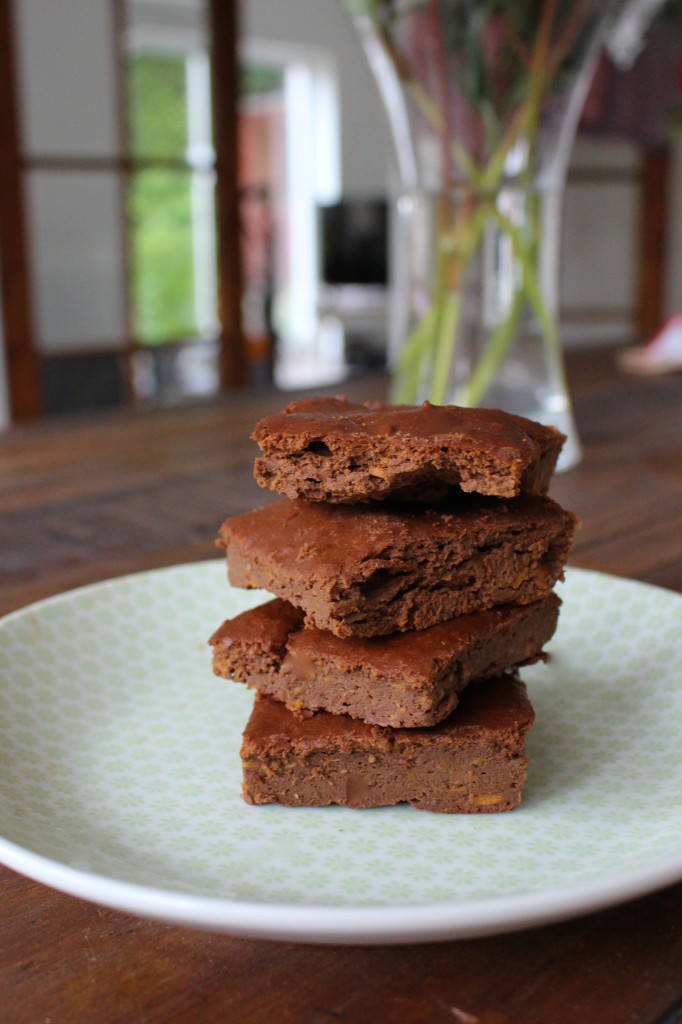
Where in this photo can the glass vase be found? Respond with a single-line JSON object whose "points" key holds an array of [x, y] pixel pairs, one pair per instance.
{"points": [[484, 340], [483, 98]]}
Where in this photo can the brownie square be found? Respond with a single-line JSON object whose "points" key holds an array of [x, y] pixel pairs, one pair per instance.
{"points": [[369, 570], [404, 680], [473, 762], [327, 449]]}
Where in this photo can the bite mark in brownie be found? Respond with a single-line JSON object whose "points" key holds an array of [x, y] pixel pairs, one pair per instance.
{"points": [[404, 680], [473, 762], [369, 570], [328, 449]]}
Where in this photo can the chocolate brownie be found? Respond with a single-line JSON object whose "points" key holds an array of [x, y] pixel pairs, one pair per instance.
{"points": [[367, 570], [403, 680], [327, 449], [472, 762]]}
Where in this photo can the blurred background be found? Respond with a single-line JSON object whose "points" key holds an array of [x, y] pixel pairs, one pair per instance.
{"points": [[194, 197]]}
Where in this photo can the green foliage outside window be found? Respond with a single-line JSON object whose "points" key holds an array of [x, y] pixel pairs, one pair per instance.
{"points": [[159, 202]]}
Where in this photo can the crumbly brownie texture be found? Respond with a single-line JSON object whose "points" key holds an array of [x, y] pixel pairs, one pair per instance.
{"points": [[473, 762], [404, 680], [369, 571], [327, 449]]}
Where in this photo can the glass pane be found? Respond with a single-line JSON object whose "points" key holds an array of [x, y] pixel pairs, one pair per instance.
{"points": [[157, 105], [586, 209], [171, 219], [76, 259], [67, 77]]}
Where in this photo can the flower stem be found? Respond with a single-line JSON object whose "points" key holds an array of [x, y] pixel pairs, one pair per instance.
{"points": [[431, 347]]}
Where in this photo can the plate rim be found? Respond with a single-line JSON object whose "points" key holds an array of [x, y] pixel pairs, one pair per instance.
{"points": [[329, 923], [342, 925]]}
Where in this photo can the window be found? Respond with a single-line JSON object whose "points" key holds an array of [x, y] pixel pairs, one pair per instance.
{"points": [[169, 201], [131, 249], [170, 209], [109, 222]]}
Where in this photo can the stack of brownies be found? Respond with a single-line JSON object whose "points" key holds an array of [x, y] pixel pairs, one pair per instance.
{"points": [[413, 559]]}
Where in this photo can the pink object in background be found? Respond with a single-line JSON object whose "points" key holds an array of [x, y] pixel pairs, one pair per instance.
{"points": [[661, 354]]}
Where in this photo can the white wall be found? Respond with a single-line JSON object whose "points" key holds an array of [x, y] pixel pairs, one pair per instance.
{"points": [[66, 66], [600, 236], [366, 152], [66, 60]]}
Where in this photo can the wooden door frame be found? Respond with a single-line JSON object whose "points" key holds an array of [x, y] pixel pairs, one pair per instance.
{"points": [[652, 240], [224, 35], [21, 354]]}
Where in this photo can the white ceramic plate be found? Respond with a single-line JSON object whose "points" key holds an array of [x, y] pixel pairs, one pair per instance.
{"points": [[120, 776]]}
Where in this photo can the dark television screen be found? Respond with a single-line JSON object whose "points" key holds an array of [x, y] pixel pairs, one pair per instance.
{"points": [[355, 242]]}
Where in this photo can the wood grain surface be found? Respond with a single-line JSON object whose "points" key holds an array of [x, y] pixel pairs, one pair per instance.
{"points": [[85, 499]]}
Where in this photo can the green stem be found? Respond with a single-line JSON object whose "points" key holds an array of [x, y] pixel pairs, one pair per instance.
{"points": [[486, 368], [414, 357], [529, 293], [526, 252], [433, 341], [446, 344]]}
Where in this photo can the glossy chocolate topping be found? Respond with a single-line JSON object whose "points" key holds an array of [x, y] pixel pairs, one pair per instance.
{"points": [[507, 435]]}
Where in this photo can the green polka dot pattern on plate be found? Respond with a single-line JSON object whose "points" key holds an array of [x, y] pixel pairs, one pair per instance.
{"points": [[119, 754]]}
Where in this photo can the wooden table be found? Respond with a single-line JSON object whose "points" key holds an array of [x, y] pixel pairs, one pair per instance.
{"points": [[85, 499]]}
